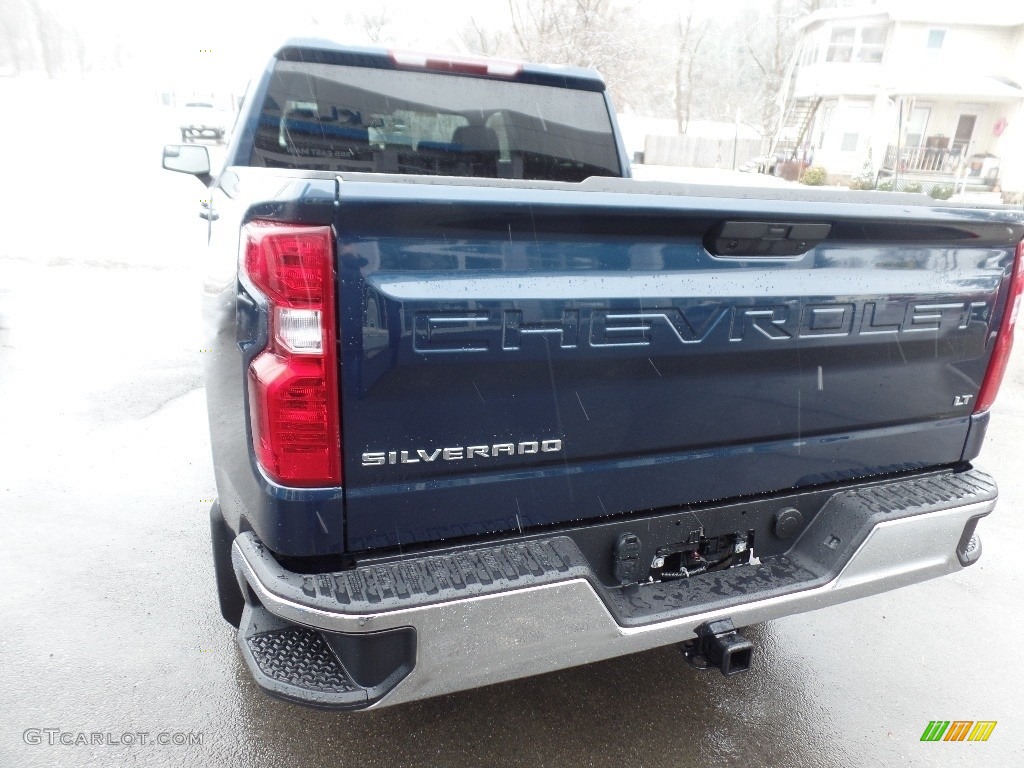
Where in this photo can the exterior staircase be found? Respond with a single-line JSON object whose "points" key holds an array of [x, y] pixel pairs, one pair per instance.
{"points": [[796, 123]]}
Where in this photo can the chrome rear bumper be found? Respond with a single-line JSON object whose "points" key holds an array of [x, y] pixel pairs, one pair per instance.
{"points": [[516, 632]]}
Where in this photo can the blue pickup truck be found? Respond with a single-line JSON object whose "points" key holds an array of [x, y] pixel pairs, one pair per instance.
{"points": [[484, 407]]}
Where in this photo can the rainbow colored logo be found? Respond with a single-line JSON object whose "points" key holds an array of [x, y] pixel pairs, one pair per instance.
{"points": [[958, 730]]}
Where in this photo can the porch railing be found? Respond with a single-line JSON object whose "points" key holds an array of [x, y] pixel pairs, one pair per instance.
{"points": [[923, 159]]}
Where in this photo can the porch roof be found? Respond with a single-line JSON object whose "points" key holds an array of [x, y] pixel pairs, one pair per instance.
{"points": [[958, 86]]}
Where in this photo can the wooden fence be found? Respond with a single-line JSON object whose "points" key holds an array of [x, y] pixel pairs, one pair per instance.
{"points": [[699, 152]]}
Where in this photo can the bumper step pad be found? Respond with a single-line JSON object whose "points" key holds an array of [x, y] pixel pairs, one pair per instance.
{"points": [[296, 663], [332, 670], [299, 657]]}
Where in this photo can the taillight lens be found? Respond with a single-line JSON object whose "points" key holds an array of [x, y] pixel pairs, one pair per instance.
{"points": [[1004, 340], [293, 383]]}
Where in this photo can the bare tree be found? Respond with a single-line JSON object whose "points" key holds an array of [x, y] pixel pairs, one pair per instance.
{"points": [[533, 26], [36, 36], [375, 24], [771, 44], [12, 22], [45, 33], [479, 39], [598, 34], [80, 48], [690, 33]]}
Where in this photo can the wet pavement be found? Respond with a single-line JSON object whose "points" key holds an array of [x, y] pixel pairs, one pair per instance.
{"points": [[107, 609]]}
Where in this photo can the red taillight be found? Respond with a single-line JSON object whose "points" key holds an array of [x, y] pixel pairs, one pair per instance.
{"points": [[293, 383], [465, 65], [1004, 339], [290, 264]]}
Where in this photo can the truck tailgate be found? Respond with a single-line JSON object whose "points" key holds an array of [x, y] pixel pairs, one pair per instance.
{"points": [[520, 357]]}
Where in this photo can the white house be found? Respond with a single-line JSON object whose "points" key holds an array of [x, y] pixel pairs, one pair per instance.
{"points": [[932, 91]]}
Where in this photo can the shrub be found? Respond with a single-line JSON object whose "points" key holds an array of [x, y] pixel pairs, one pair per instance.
{"points": [[889, 185], [942, 191], [866, 178], [814, 176]]}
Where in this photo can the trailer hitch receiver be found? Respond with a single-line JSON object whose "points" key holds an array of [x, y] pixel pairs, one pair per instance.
{"points": [[719, 646]]}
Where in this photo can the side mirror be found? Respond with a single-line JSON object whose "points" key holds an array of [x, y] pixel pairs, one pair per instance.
{"points": [[188, 158]]}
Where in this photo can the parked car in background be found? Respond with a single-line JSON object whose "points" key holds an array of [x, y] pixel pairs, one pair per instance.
{"points": [[202, 120], [763, 164]]}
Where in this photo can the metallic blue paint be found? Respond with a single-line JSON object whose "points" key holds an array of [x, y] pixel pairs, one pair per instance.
{"points": [[659, 423], [644, 427], [653, 421]]}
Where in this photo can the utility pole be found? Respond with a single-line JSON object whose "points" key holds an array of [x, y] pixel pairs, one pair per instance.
{"points": [[899, 145], [736, 137]]}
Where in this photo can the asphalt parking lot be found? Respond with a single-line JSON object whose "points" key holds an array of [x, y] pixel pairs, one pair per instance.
{"points": [[107, 607]]}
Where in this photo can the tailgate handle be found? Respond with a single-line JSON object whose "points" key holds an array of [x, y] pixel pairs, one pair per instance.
{"points": [[764, 239]]}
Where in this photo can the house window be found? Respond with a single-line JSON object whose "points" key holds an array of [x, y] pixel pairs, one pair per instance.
{"points": [[850, 141], [872, 44], [917, 124], [841, 46], [936, 37], [865, 44], [809, 54]]}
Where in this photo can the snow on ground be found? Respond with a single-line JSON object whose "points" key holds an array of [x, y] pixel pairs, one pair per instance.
{"points": [[636, 128], [720, 176]]}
